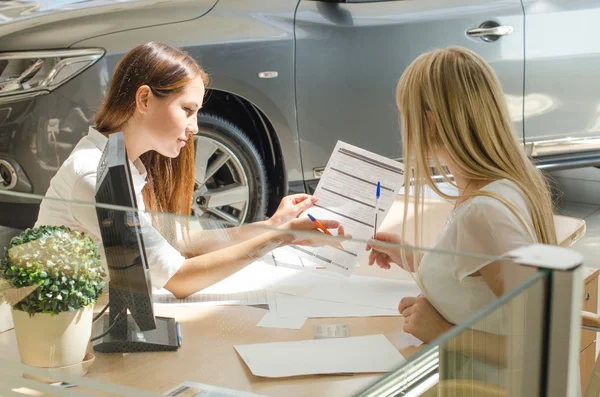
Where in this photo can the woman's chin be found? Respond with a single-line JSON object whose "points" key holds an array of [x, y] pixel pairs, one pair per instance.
{"points": [[170, 153]]}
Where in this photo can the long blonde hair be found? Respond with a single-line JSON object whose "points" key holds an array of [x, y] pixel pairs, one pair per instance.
{"points": [[471, 121]]}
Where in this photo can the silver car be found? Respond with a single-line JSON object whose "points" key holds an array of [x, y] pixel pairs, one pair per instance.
{"points": [[288, 79]]}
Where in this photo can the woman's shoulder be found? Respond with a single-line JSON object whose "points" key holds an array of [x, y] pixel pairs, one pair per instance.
{"points": [[83, 160], [504, 189]]}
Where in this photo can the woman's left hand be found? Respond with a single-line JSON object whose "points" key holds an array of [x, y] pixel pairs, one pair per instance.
{"points": [[290, 207], [421, 319]]}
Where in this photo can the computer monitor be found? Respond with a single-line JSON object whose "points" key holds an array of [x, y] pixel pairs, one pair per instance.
{"points": [[129, 288]]}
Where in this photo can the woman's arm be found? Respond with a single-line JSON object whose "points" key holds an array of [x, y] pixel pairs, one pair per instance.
{"points": [[205, 270], [482, 346], [202, 271], [200, 242], [423, 321]]}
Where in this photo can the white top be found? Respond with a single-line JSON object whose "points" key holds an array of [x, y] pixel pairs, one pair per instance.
{"points": [[484, 226], [76, 181], [481, 225]]}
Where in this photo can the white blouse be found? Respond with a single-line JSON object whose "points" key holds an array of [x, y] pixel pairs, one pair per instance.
{"points": [[485, 226], [75, 181], [481, 225]]}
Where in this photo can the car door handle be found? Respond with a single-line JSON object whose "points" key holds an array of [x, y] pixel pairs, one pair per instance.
{"points": [[491, 31]]}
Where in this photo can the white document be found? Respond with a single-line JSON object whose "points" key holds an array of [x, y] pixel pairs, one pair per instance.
{"points": [[195, 389], [249, 286], [6, 320], [359, 354], [358, 290], [288, 257], [271, 320], [347, 193], [248, 298], [297, 306]]}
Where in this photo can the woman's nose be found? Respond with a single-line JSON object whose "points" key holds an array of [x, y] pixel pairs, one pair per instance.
{"points": [[193, 128]]}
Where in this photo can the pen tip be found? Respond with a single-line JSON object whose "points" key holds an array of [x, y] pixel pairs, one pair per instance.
{"points": [[312, 219]]}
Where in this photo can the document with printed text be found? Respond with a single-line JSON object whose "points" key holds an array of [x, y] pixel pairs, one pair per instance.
{"points": [[347, 193]]}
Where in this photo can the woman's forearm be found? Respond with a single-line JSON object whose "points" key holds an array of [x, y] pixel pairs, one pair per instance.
{"points": [[202, 271], [201, 242], [482, 346]]}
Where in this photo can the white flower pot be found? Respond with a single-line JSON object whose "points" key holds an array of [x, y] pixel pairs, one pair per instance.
{"points": [[53, 341]]}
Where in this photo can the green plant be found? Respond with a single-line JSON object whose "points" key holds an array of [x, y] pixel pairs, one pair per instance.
{"points": [[64, 265]]}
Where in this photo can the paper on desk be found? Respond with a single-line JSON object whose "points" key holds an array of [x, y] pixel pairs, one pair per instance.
{"points": [[346, 193], [295, 306], [288, 257], [359, 354], [359, 290], [271, 320], [249, 286], [6, 320], [195, 389]]}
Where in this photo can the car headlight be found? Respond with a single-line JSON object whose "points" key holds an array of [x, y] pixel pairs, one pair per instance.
{"points": [[30, 73]]}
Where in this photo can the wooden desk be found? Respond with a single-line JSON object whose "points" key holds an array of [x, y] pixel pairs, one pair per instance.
{"points": [[209, 333]]}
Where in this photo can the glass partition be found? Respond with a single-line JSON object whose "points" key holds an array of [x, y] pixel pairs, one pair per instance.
{"points": [[187, 306]]}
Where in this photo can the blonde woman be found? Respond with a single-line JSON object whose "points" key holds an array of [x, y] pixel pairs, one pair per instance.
{"points": [[454, 115]]}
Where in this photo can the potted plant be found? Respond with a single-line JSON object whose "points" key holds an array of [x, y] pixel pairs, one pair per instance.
{"points": [[53, 324]]}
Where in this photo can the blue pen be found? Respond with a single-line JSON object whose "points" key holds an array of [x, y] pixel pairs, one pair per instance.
{"points": [[178, 332], [377, 194]]}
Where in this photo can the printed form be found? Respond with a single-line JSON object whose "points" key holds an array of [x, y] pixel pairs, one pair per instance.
{"points": [[347, 193]]}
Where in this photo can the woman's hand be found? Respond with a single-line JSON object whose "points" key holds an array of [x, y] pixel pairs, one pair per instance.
{"points": [[290, 207], [309, 234], [421, 319], [385, 255]]}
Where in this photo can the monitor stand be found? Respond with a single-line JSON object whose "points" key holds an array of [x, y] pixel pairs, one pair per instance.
{"points": [[125, 335], [163, 338]]}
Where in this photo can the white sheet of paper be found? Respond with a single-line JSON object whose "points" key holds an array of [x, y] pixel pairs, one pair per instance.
{"points": [[347, 193], [359, 354], [358, 290], [249, 286], [195, 389], [296, 306], [288, 257], [272, 320], [6, 320]]}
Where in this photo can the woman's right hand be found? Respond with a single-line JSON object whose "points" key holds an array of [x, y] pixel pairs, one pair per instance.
{"points": [[310, 235], [385, 255]]}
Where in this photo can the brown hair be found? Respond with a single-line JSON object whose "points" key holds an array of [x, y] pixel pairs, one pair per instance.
{"points": [[165, 70]]}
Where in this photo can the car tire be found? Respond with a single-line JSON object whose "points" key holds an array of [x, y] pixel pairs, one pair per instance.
{"points": [[221, 141]]}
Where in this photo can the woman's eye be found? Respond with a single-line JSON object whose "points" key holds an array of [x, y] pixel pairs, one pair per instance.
{"points": [[188, 111]]}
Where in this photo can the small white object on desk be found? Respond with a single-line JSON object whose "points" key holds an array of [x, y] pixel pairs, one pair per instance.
{"points": [[359, 354]]}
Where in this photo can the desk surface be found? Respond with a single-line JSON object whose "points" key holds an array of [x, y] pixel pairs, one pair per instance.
{"points": [[209, 333]]}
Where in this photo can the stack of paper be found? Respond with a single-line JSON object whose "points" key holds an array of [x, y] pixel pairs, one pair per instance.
{"points": [[291, 293]]}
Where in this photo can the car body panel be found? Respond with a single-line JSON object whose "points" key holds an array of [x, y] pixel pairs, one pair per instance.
{"points": [[351, 56], [48, 25], [563, 59]]}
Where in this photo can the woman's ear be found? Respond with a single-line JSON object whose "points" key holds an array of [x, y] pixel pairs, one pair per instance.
{"points": [[142, 98]]}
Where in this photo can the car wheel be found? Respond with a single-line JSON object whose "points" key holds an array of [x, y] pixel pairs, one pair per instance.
{"points": [[231, 180]]}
